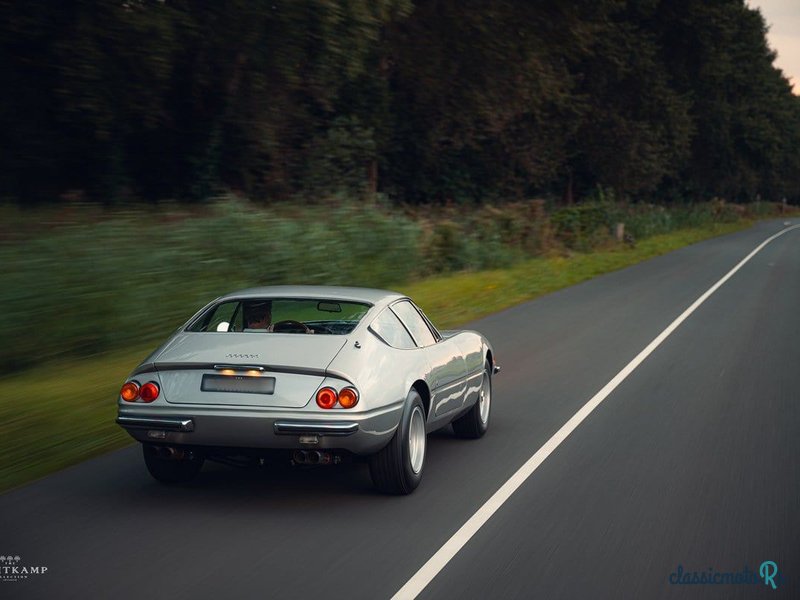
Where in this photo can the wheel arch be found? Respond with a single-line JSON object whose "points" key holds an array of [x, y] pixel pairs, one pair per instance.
{"points": [[424, 392]]}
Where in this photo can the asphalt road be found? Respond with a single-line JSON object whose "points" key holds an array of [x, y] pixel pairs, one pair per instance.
{"points": [[691, 461]]}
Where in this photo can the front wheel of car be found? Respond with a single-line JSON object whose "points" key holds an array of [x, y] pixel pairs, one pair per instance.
{"points": [[397, 469], [476, 421], [171, 466]]}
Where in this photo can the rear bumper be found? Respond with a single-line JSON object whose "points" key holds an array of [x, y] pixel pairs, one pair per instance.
{"points": [[164, 423], [315, 428], [360, 433]]}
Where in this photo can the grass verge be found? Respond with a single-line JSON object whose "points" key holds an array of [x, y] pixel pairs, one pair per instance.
{"points": [[64, 413], [453, 299]]}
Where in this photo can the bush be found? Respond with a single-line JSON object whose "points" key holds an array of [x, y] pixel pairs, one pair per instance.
{"points": [[92, 286], [78, 282], [583, 226]]}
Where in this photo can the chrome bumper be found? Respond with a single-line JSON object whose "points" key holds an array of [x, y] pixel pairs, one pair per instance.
{"points": [[162, 423], [360, 433], [312, 427]]}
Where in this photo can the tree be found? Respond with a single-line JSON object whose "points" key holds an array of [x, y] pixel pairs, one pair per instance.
{"points": [[717, 54]]}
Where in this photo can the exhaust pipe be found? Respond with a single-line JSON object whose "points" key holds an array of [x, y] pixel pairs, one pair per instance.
{"points": [[174, 453], [320, 458], [170, 453], [314, 457]]}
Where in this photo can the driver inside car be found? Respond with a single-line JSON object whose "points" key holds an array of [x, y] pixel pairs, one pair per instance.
{"points": [[258, 315]]}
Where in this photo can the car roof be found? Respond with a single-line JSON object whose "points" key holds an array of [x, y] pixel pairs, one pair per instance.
{"points": [[317, 292]]}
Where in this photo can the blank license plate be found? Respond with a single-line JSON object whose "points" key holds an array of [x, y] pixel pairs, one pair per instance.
{"points": [[238, 384]]}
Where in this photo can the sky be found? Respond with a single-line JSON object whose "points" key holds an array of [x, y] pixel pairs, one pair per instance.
{"points": [[783, 18]]}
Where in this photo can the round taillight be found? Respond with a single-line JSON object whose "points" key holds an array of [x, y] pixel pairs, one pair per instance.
{"points": [[348, 397], [130, 391], [149, 391], [326, 397]]}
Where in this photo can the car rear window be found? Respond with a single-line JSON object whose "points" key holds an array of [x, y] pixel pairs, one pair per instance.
{"points": [[281, 315]]}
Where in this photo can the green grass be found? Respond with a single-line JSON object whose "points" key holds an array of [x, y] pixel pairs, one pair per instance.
{"points": [[92, 283], [79, 281], [454, 299], [63, 413]]}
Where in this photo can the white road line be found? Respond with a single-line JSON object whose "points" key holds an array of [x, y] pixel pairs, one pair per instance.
{"points": [[445, 554]]}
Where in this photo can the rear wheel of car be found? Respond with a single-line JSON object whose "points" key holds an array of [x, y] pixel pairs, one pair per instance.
{"points": [[397, 469], [183, 467], [476, 421]]}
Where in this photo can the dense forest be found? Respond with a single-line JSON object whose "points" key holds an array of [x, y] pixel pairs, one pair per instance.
{"points": [[421, 101]]}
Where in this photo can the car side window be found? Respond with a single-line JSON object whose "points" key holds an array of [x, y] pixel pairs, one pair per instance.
{"points": [[391, 330], [414, 322]]}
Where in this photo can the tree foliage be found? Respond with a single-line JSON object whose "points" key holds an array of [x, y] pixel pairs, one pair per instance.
{"points": [[426, 100]]}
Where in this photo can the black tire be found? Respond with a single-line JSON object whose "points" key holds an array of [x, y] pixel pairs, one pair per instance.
{"points": [[391, 469], [171, 470], [472, 425]]}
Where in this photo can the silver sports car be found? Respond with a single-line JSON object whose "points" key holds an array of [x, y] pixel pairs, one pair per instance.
{"points": [[319, 374]]}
